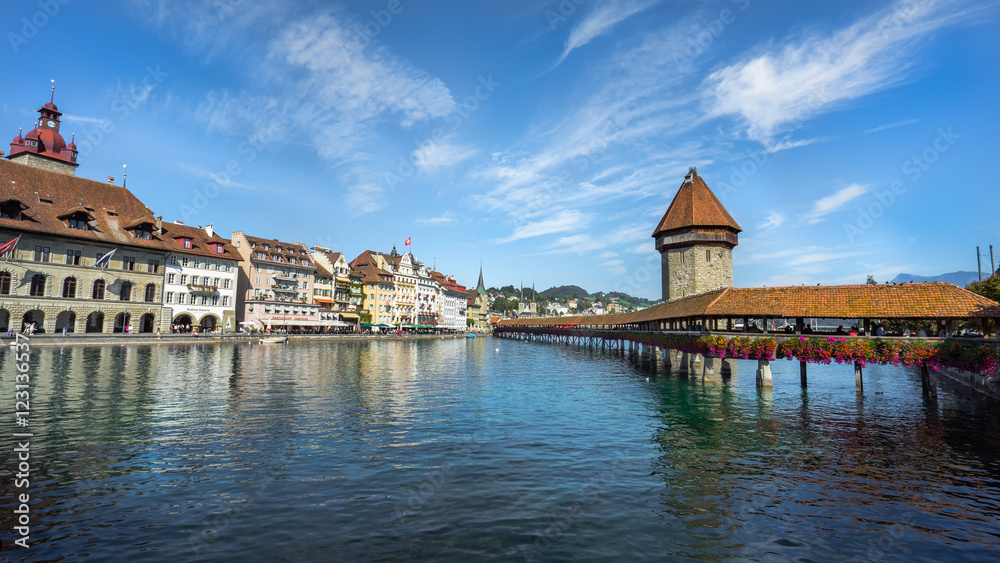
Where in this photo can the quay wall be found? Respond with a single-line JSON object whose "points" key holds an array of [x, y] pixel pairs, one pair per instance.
{"points": [[121, 340], [985, 384]]}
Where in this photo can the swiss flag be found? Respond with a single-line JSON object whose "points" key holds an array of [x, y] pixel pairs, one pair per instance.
{"points": [[407, 243]]}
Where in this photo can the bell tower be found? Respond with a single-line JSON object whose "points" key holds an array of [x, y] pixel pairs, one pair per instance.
{"points": [[43, 146], [695, 238]]}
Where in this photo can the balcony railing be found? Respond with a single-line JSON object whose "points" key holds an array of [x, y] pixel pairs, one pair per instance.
{"points": [[202, 288]]}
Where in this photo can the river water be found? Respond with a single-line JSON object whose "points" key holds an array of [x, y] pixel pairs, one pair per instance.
{"points": [[488, 450]]}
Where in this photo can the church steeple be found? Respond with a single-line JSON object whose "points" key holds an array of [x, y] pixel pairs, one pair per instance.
{"points": [[480, 288], [43, 146]]}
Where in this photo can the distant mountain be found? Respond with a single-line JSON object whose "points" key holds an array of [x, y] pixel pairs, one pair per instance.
{"points": [[961, 279], [577, 292]]}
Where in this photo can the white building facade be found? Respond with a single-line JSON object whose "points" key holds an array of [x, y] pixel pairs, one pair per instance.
{"points": [[200, 279]]}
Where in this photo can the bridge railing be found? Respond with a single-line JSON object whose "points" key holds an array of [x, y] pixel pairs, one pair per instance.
{"points": [[971, 354]]}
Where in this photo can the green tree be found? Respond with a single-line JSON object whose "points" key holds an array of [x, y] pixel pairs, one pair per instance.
{"points": [[988, 288], [871, 280]]}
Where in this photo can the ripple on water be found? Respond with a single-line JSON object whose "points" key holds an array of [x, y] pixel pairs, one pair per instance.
{"points": [[454, 451]]}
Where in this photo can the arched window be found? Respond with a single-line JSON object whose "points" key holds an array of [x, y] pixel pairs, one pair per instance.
{"points": [[69, 287], [37, 285], [150, 293], [4, 283], [126, 292], [98, 290]]}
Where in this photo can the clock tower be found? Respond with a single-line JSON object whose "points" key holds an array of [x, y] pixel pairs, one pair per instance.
{"points": [[43, 146]]}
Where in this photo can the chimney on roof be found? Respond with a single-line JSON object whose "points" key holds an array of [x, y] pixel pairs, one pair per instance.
{"points": [[111, 180], [159, 224], [178, 221], [210, 229]]}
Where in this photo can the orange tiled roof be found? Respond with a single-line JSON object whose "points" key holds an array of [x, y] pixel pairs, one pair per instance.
{"points": [[294, 250], [903, 301], [199, 242], [910, 300], [695, 206], [48, 195]]}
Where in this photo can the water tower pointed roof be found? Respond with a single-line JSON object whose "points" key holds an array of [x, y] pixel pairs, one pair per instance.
{"points": [[695, 206]]}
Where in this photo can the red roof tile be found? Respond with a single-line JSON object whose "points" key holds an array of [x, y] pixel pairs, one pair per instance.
{"points": [[903, 301], [50, 195], [695, 206]]}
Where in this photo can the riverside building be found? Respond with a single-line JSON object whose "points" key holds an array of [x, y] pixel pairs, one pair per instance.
{"points": [[377, 287], [275, 285], [452, 303], [202, 273], [58, 227]]}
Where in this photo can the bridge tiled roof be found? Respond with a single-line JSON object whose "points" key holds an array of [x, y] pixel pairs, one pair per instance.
{"points": [[936, 300]]}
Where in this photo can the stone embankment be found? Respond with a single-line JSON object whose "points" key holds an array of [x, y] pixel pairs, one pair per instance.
{"points": [[123, 339]]}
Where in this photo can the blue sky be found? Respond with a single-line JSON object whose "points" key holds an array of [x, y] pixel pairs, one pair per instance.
{"points": [[545, 138]]}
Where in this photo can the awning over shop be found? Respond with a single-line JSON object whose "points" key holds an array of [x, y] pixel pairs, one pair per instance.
{"points": [[349, 316], [322, 300]]}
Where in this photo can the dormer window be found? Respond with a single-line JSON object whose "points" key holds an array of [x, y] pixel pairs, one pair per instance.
{"points": [[183, 242], [217, 247], [144, 232], [77, 219], [11, 209]]}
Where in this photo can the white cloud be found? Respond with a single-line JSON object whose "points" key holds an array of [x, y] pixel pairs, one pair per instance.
{"points": [[835, 201], [564, 221], [615, 266], [313, 84], [623, 134], [102, 123], [785, 145], [820, 257], [891, 125], [434, 155], [787, 84], [441, 220], [600, 21], [365, 198], [773, 221]]}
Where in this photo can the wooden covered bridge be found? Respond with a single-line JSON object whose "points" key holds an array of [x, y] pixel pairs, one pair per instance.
{"points": [[779, 320]]}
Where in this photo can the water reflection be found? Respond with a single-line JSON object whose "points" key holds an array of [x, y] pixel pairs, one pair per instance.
{"points": [[489, 449]]}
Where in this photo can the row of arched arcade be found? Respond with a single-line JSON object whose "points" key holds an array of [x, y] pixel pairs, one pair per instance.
{"points": [[95, 322]]}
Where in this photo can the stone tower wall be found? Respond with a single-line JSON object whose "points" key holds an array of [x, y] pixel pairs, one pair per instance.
{"points": [[44, 163], [695, 269]]}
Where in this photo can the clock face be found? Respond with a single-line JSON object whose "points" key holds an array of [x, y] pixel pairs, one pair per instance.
{"points": [[50, 123]]}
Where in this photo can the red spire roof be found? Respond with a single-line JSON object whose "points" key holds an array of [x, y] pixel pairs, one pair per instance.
{"points": [[695, 206]]}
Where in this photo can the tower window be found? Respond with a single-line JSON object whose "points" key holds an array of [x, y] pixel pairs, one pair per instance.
{"points": [[708, 255]]}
